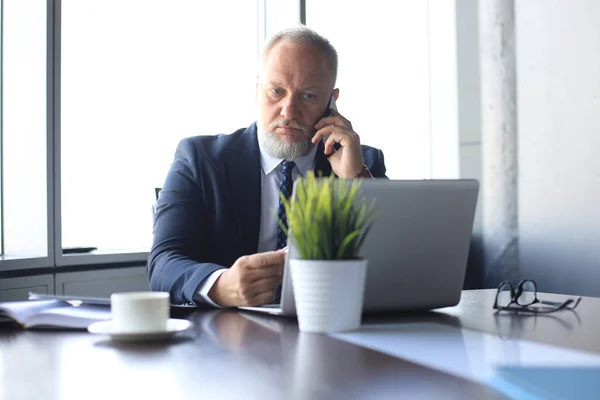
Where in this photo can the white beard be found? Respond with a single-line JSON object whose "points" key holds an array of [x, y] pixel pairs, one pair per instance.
{"points": [[277, 148]]}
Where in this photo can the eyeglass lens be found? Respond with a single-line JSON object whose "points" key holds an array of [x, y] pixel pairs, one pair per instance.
{"points": [[527, 295], [505, 294]]}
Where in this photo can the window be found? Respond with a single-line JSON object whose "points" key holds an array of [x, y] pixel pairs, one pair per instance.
{"points": [[383, 76], [25, 193], [137, 77], [96, 95], [397, 79], [1, 159]]}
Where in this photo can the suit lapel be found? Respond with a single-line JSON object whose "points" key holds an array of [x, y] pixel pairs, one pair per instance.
{"points": [[243, 171]]}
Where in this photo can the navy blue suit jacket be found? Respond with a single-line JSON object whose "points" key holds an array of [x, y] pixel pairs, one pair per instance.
{"points": [[208, 212]]}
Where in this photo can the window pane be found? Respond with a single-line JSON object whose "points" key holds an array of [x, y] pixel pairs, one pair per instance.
{"points": [[1, 162], [137, 77], [279, 15], [383, 76], [24, 128]]}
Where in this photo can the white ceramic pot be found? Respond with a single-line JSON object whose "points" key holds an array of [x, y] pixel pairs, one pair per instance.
{"points": [[328, 294]]}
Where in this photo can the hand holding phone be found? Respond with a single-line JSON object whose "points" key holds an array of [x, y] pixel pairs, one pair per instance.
{"points": [[341, 142]]}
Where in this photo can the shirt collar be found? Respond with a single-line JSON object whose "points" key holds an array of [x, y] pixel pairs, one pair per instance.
{"points": [[268, 163]]}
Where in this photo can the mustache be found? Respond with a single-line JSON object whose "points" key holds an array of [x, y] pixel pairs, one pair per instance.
{"points": [[290, 123]]}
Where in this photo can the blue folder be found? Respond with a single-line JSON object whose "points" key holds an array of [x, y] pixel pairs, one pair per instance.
{"points": [[548, 383]]}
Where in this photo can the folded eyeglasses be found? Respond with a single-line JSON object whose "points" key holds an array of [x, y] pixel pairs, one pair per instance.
{"points": [[524, 299]]}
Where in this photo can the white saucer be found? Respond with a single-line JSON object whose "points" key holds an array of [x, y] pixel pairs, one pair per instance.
{"points": [[106, 328]]}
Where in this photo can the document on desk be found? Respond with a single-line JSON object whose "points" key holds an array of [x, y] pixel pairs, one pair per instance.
{"points": [[484, 358], [47, 314]]}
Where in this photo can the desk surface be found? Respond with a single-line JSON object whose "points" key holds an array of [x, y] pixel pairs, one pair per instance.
{"points": [[228, 355]]}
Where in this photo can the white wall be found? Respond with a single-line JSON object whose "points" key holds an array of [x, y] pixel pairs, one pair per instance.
{"points": [[558, 89], [469, 99]]}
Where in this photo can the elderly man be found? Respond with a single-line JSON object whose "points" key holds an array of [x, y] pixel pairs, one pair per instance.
{"points": [[216, 236]]}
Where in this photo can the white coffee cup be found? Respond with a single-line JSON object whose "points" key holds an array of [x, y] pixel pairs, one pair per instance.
{"points": [[140, 311]]}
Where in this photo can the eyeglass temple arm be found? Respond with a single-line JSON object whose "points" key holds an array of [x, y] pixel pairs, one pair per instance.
{"points": [[564, 304], [552, 303]]}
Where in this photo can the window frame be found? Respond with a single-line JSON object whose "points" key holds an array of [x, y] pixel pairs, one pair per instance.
{"points": [[97, 257], [55, 257]]}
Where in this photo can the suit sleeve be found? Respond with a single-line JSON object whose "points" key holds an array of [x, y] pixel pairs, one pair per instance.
{"points": [[377, 167], [181, 232]]}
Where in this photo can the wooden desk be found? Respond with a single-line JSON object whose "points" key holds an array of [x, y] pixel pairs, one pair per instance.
{"points": [[229, 356]]}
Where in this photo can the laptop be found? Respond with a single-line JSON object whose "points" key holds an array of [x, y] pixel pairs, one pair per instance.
{"points": [[417, 249]]}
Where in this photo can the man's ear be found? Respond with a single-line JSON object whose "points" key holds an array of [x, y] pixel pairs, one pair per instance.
{"points": [[336, 93]]}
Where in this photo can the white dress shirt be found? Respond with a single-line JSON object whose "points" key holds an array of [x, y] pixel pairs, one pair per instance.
{"points": [[270, 180]]}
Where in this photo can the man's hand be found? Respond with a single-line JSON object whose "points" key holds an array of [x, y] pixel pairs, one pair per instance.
{"points": [[347, 162], [251, 280]]}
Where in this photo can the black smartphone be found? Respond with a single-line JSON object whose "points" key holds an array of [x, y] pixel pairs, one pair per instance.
{"points": [[330, 105]]}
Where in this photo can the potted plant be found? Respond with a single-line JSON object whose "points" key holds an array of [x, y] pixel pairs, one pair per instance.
{"points": [[327, 225]]}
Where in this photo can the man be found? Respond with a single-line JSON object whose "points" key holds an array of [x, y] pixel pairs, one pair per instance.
{"points": [[216, 236]]}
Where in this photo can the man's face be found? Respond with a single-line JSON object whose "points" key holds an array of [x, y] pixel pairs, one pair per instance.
{"points": [[293, 91]]}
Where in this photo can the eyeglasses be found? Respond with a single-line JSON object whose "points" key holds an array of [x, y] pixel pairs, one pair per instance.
{"points": [[524, 299]]}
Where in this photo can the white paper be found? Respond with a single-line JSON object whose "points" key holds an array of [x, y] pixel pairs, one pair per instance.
{"points": [[467, 354]]}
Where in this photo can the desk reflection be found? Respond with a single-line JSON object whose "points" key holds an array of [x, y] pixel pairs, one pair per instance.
{"points": [[515, 324], [312, 365], [304, 358], [241, 335]]}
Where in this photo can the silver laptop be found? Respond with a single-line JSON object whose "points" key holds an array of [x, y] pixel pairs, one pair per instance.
{"points": [[417, 248]]}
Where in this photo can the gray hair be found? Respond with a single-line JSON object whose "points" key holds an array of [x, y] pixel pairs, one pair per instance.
{"points": [[302, 34]]}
